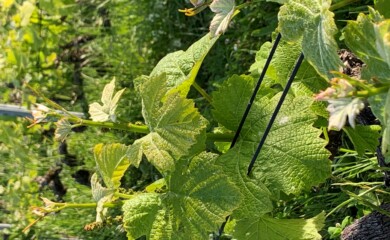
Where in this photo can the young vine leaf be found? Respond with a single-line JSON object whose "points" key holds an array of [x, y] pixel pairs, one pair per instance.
{"points": [[180, 68], [342, 109], [106, 112], [366, 38], [63, 129], [311, 21], [112, 162], [224, 10], [175, 126], [364, 137], [198, 199], [101, 195], [279, 229]]}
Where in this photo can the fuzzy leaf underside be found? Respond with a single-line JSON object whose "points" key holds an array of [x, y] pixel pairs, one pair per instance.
{"points": [[198, 200], [361, 37], [180, 68], [224, 12], [265, 228], [175, 124], [101, 195], [293, 158], [312, 22], [364, 137], [111, 162]]}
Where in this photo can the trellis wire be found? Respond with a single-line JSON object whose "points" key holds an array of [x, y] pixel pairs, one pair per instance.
{"points": [[257, 87], [274, 114], [249, 106]]}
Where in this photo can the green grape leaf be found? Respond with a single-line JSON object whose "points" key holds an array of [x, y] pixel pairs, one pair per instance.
{"points": [[281, 65], [175, 126], [198, 200], [364, 137], [112, 163], [307, 83], [134, 153], [256, 200], [180, 68], [312, 21], [235, 87], [383, 6], [293, 158], [224, 10], [284, 60], [106, 112], [260, 59], [144, 215], [265, 228], [366, 38]]}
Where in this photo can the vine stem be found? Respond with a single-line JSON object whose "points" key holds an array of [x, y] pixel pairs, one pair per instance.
{"points": [[370, 92], [341, 4], [60, 206], [123, 195], [275, 113], [218, 137], [202, 92], [120, 126]]}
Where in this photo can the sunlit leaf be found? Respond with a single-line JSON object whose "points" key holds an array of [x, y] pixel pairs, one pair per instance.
{"points": [[106, 112], [175, 126]]}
